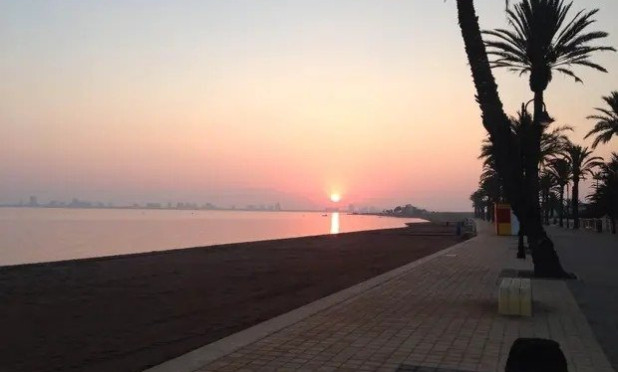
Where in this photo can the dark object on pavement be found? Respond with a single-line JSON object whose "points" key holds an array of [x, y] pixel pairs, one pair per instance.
{"points": [[410, 368], [536, 355]]}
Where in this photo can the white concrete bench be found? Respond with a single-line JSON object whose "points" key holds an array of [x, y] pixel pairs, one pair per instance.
{"points": [[515, 297]]}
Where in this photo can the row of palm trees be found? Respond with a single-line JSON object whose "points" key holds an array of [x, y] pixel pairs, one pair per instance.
{"points": [[542, 39], [605, 196], [562, 164]]}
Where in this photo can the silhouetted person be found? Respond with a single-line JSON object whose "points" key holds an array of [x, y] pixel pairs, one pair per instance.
{"points": [[536, 355]]}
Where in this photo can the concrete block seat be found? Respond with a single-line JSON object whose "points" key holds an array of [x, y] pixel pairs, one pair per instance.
{"points": [[515, 297]]}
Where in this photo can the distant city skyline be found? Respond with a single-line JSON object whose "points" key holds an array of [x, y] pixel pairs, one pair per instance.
{"points": [[242, 202], [34, 201]]}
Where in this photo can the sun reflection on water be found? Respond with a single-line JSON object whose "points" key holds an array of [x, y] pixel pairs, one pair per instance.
{"points": [[334, 223]]}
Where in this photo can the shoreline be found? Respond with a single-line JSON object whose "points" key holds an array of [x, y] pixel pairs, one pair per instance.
{"points": [[38, 238], [174, 250], [131, 312]]}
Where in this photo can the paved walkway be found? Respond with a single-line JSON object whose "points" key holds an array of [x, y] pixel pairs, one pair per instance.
{"points": [[594, 258], [439, 312]]}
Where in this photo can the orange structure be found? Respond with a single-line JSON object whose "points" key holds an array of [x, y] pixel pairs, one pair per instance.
{"points": [[506, 222]]}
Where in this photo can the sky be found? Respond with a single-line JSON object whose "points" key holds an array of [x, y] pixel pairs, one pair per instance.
{"points": [[245, 101]]}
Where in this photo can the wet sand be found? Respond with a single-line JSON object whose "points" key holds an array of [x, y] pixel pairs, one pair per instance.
{"points": [[128, 313]]}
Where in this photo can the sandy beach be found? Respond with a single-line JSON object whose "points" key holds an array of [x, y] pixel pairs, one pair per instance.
{"points": [[128, 313]]}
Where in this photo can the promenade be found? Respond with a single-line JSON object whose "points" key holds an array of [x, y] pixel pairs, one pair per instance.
{"points": [[439, 312], [594, 258]]}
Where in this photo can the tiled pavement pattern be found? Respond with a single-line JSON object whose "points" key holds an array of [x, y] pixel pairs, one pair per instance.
{"points": [[441, 314], [407, 368]]}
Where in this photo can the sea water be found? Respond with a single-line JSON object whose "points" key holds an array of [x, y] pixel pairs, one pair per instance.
{"points": [[29, 235]]}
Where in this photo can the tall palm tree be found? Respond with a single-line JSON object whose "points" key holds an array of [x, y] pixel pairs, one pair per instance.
{"points": [[553, 144], [607, 124], [560, 168], [605, 195], [582, 164], [507, 148], [542, 40], [518, 126]]}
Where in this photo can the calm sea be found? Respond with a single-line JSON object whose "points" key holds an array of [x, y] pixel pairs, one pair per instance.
{"points": [[39, 235]]}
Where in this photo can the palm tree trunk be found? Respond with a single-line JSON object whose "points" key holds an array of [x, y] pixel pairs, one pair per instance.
{"points": [[532, 152], [561, 205], [575, 203], [495, 121], [541, 246], [507, 151], [521, 248], [492, 211], [545, 207]]}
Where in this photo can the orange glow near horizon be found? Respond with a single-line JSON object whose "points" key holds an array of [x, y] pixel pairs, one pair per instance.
{"points": [[251, 103]]}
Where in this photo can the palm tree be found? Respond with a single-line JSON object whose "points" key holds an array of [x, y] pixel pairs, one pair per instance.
{"points": [[553, 203], [554, 143], [518, 125], [607, 124], [546, 182], [541, 40], [507, 148], [605, 195], [490, 185], [582, 164], [478, 203], [560, 168]]}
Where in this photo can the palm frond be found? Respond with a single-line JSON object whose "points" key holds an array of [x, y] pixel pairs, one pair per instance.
{"points": [[606, 126], [543, 37]]}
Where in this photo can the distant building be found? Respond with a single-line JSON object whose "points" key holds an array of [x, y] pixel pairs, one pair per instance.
{"points": [[76, 203], [33, 202]]}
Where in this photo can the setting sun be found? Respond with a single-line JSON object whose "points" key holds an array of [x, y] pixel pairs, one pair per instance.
{"points": [[335, 198]]}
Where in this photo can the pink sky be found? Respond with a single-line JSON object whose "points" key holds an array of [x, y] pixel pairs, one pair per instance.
{"points": [[193, 101]]}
